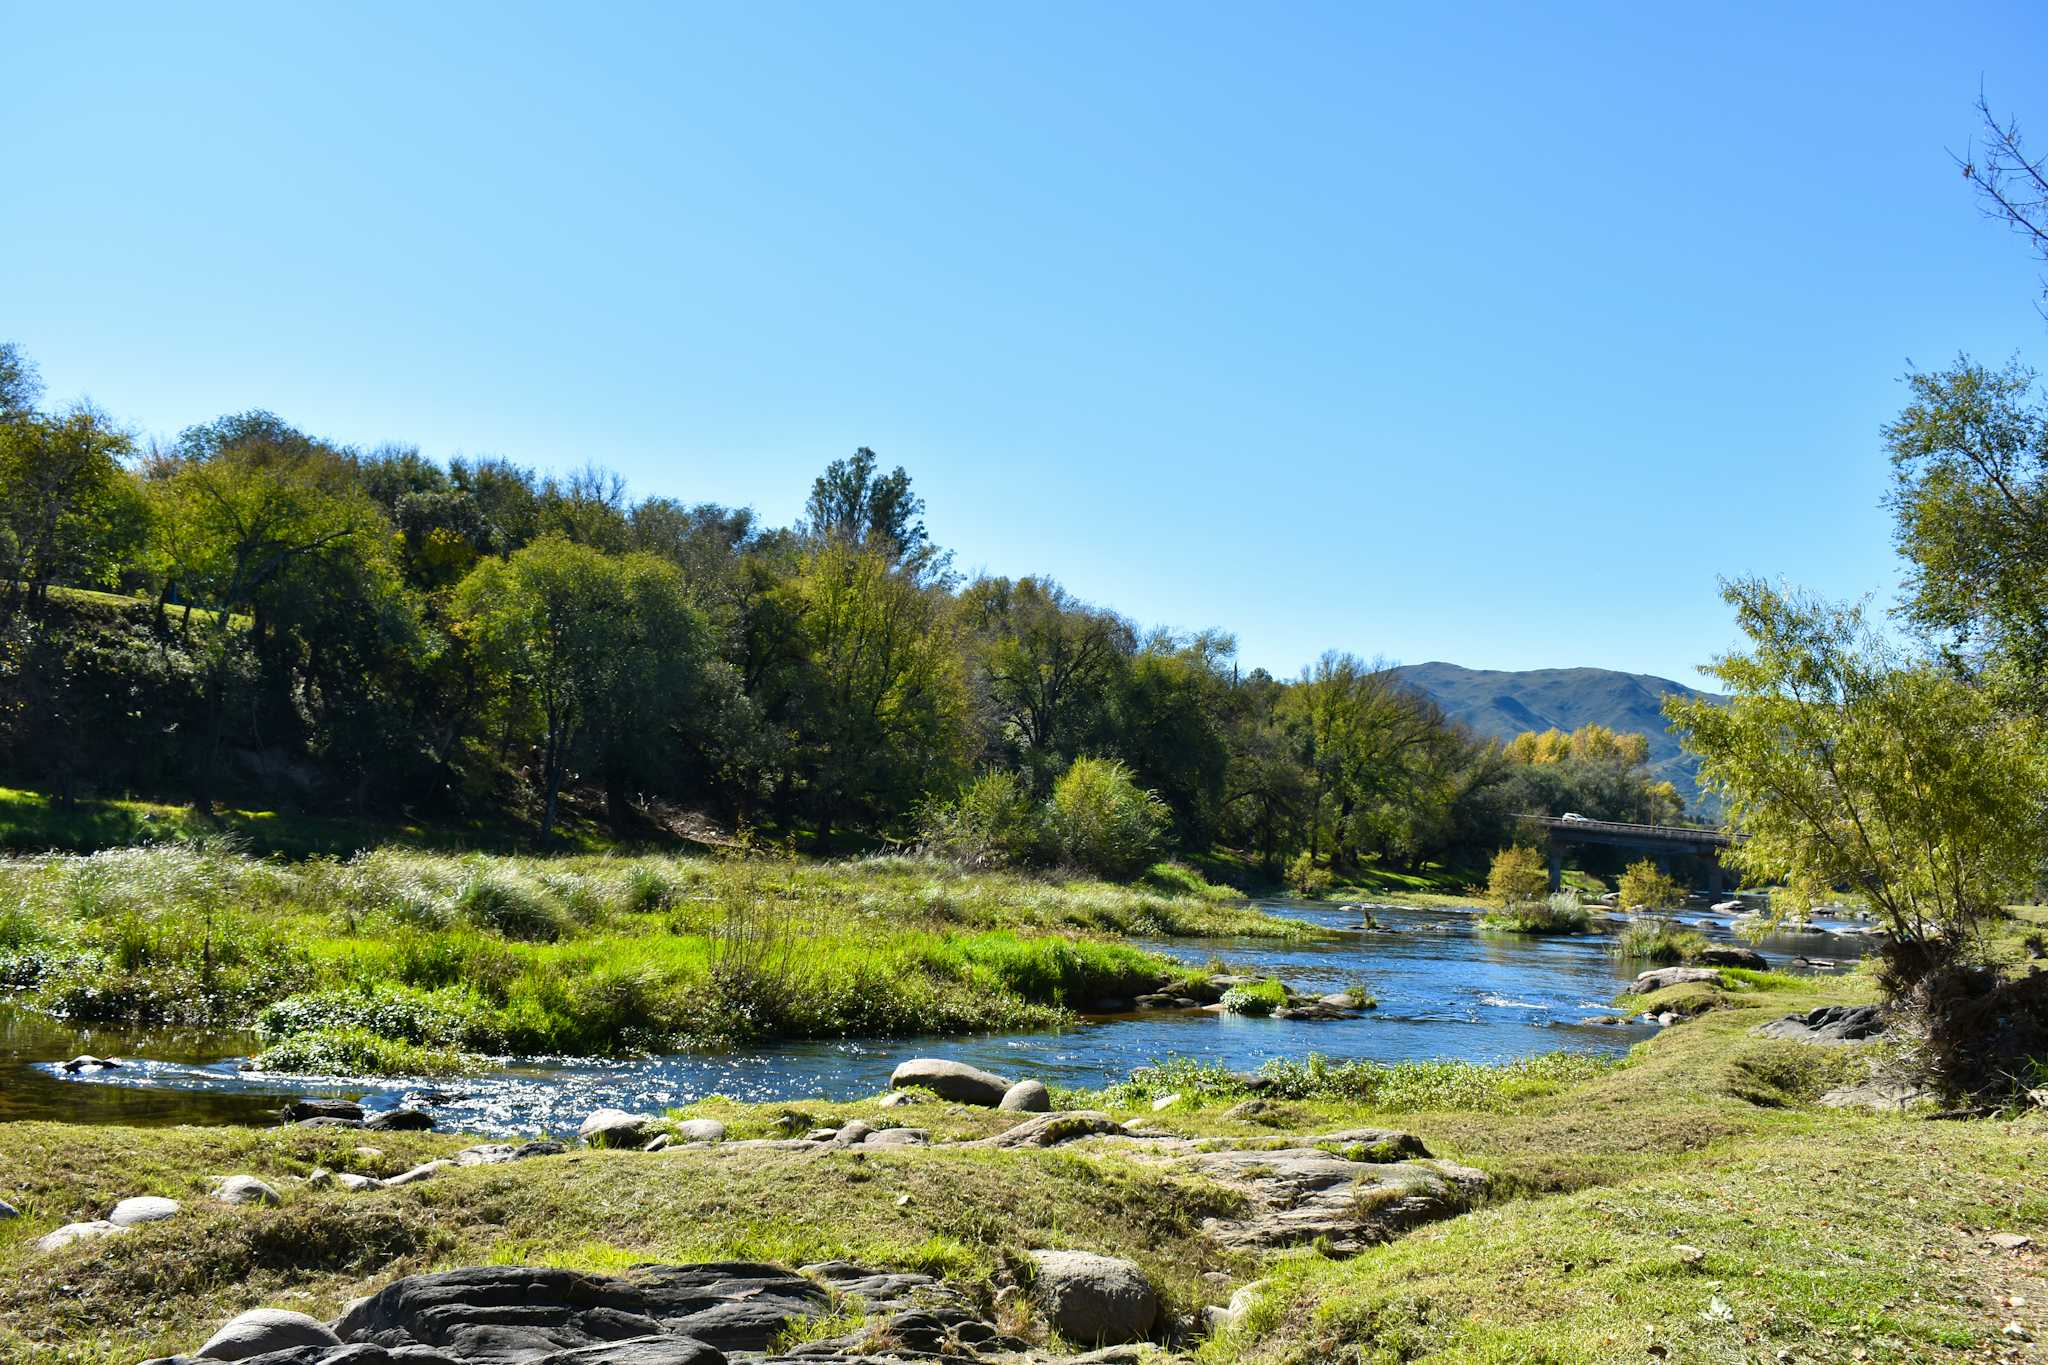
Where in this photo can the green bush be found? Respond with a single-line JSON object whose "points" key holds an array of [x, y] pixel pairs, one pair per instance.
{"points": [[1518, 875], [1103, 821], [1306, 879], [993, 823], [1644, 886], [1561, 913], [494, 900], [1257, 1000], [1659, 941]]}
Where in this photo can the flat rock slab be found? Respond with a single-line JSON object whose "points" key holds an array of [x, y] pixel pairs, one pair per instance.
{"points": [[1665, 977], [1830, 1024]]}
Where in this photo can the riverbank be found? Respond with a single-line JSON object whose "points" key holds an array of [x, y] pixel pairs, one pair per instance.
{"points": [[403, 962], [1693, 1203]]}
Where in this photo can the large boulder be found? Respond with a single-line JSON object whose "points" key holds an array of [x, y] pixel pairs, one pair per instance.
{"points": [[1664, 977], [615, 1128], [700, 1130], [401, 1121], [1027, 1097], [955, 1081], [1830, 1024], [314, 1107], [143, 1208], [521, 1313], [1726, 955], [1097, 1300], [262, 1330]]}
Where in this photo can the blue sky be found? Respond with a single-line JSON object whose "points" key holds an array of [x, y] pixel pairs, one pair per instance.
{"points": [[1489, 333]]}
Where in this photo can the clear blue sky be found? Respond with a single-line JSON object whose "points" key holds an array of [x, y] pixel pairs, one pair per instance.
{"points": [[1485, 333]]}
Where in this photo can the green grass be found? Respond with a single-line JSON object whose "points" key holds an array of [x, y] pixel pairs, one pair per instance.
{"points": [[442, 955], [1258, 999], [1558, 915], [1658, 941], [1828, 1235]]}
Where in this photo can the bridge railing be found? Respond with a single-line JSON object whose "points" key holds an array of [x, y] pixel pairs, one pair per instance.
{"points": [[1692, 834]]}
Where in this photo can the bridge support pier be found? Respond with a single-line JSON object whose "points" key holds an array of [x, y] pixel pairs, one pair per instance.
{"points": [[1556, 868]]}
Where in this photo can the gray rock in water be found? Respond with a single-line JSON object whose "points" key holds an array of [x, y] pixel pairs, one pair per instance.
{"points": [[1027, 1097], [401, 1121], [614, 1128], [1726, 956], [700, 1130], [1097, 1299], [262, 1330], [300, 1110], [955, 1081], [89, 1062], [1830, 1024], [1664, 977], [77, 1232], [143, 1208], [244, 1189]]}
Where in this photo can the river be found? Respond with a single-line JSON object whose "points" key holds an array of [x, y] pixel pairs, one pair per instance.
{"points": [[1444, 990]]}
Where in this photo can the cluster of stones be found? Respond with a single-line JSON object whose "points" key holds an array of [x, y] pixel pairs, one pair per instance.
{"points": [[1207, 994], [691, 1315], [131, 1213]]}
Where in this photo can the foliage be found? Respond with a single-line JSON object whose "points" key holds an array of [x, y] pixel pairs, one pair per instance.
{"points": [[1659, 941], [1306, 879], [1646, 886], [1103, 821], [1519, 873], [994, 822], [1560, 913], [1256, 1000]]}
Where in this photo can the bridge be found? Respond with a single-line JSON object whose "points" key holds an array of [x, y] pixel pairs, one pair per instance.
{"points": [[1661, 842]]}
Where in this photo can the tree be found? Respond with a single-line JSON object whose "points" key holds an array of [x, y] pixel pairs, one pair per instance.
{"points": [[2012, 187], [1518, 874], [20, 385], [1646, 886], [1847, 765], [69, 510], [1103, 821], [603, 647], [851, 503], [1049, 664]]}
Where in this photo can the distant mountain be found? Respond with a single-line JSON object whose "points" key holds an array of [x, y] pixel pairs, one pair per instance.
{"points": [[1500, 705]]}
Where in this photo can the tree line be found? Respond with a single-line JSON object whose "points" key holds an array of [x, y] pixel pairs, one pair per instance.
{"points": [[296, 622]]}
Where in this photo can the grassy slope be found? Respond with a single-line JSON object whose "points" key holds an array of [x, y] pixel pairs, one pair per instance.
{"points": [[1824, 1233], [400, 957]]}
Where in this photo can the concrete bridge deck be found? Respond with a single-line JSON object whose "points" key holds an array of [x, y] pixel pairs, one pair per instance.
{"points": [[1661, 842]]}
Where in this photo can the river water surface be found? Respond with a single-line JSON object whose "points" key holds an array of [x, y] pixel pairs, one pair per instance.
{"points": [[1444, 990]]}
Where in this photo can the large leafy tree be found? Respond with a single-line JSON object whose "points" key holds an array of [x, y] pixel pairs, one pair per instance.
{"points": [[600, 648], [853, 503], [1845, 764], [70, 511], [1050, 668]]}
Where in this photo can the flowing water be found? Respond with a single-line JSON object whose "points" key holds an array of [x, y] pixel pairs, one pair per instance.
{"points": [[1444, 990]]}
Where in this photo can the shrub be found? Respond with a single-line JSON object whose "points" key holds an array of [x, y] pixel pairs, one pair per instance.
{"points": [[1645, 884], [993, 823], [1257, 1000], [1558, 914], [1103, 821], [1518, 874], [1306, 878], [494, 900], [1660, 941]]}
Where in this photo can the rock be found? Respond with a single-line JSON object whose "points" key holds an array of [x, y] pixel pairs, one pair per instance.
{"points": [[1165, 1102], [244, 1189], [1830, 1024], [525, 1313], [8, 1211], [951, 1080], [1027, 1097], [326, 1121], [416, 1174], [700, 1130], [1094, 1299], [262, 1330], [1344, 1000], [899, 1137], [1885, 1097], [401, 1121], [1723, 955], [2009, 1241], [143, 1208], [1665, 977], [1315, 1011], [853, 1133], [349, 1180], [91, 1063], [1727, 907], [821, 1135], [897, 1097], [77, 1232], [614, 1128], [660, 1144], [299, 1110], [1047, 1130], [1689, 1255]]}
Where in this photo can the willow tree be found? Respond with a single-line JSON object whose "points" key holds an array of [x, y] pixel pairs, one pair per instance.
{"points": [[1847, 764]]}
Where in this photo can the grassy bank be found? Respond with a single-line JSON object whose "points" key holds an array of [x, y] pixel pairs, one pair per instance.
{"points": [[401, 961], [1694, 1204]]}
